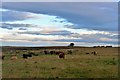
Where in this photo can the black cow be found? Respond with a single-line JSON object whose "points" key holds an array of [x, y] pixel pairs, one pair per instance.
{"points": [[61, 55], [52, 52], [95, 53], [46, 52], [3, 57], [25, 56]]}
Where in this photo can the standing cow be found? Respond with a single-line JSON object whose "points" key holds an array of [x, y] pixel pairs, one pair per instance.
{"points": [[3, 57], [94, 53]]}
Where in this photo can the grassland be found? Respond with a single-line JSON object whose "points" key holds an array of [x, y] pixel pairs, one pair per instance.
{"points": [[75, 65]]}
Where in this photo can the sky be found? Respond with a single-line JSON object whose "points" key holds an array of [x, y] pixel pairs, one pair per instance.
{"points": [[60, 0], [59, 23]]}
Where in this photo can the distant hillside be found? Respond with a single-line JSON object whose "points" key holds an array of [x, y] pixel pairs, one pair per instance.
{"points": [[44, 47], [36, 48]]}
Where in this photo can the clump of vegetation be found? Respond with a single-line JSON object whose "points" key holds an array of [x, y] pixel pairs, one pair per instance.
{"points": [[110, 62], [71, 45]]}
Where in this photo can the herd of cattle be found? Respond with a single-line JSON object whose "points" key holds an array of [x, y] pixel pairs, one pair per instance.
{"points": [[94, 53], [61, 54], [30, 54]]}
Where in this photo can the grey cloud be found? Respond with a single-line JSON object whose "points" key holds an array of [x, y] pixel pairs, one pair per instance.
{"points": [[90, 38], [11, 26], [15, 15], [62, 32], [93, 36], [87, 41], [6, 27], [22, 29], [30, 32], [92, 15]]}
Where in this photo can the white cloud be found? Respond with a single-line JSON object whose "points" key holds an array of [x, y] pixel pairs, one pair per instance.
{"points": [[108, 39], [3, 10], [87, 31], [80, 34]]}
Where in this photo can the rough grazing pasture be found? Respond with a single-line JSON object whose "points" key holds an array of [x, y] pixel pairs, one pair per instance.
{"points": [[75, 65]]}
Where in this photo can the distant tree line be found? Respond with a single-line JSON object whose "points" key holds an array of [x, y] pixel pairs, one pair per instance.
{"points": [[102, 46]]}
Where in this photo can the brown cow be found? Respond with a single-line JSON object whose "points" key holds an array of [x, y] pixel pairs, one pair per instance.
{"points": [[13, 57], [61, 55], [57, 52]]}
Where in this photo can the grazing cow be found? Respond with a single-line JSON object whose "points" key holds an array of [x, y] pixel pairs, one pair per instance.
{"points": [[57, 53], [29, 55], [46, 52], [25, 56], [52, 52], [13, 57], [61, 55]]}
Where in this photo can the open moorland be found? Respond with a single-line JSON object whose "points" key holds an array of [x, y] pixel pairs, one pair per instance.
{"points": [[79, 62]]}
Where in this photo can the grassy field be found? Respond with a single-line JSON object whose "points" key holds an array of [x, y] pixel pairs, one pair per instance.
{"points": [[75, 65]]}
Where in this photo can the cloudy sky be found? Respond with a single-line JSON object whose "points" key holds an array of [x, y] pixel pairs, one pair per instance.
{"points": [[59, 23]]}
